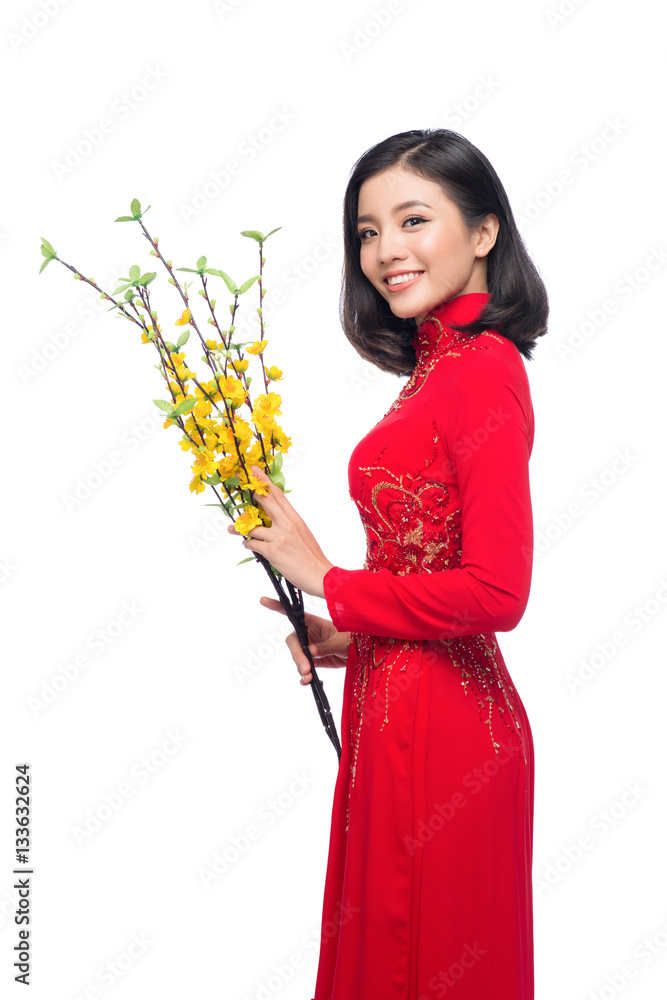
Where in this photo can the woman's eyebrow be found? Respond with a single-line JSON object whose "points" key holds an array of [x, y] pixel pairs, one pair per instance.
{"points": [[397, 209]]}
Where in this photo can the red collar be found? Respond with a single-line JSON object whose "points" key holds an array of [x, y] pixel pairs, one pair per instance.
{"points": [[459, 309]]}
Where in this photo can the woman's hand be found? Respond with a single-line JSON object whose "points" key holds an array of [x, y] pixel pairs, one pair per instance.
{"points": [[288, 544], [327, 646]]}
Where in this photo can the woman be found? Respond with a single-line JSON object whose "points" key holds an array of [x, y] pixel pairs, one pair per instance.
{"points": [[428, 885]]}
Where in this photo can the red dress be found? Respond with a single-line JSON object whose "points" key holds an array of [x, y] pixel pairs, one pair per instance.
{"points": [[428, 888]]}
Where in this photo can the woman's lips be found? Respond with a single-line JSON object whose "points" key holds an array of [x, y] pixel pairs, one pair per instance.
{"points": [[403, 284]]}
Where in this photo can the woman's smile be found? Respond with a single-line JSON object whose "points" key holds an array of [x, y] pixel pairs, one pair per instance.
{"points": [[396, 281]]}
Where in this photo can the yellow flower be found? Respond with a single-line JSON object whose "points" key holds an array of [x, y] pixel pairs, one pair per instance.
{"points": [[248, 520], [228, 467], [197, 485], [253, 484], [254, 455], [212, 344], [283, 443], [185, 318], [257, 347], [204, 464], [202, 408], [274, 373], [240, 366], [268, 404], [144, 336], [264, 410], [209, 388], [232, 388], [243, 431], [226, 439]]}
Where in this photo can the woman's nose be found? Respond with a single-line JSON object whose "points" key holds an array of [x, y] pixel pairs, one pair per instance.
{"points": [[390, 247]]}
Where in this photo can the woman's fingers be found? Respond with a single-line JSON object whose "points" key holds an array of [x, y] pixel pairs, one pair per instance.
{"points": [[302, 664], [293, 644], [299, 657], [276, 501], [272, 604]]}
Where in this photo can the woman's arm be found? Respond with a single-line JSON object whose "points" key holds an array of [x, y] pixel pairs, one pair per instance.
{"points": [[484, 416]]}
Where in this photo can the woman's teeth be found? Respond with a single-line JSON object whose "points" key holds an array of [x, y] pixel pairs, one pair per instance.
{"points": [[403, 277]]}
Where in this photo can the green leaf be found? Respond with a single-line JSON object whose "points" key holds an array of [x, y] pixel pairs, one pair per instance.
{"points": [[190, 269], [230, 284], [121, 288], [247, 559], [201, 264], [135, 208], [213, 270], [47, 245], [146, 278], [164, 405], [125, 218], [233, 481], [129, 295], [278, 479], [135, 271], [185, 406], [246, 284], [44, 263], [253, 234], [277, 463], [213, 480], [170, 347], [183, 339], [272, 232]]}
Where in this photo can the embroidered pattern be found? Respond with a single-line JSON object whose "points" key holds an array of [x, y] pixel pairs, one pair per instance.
{"points": [[408, 526], [374, 659], [486, 680]]}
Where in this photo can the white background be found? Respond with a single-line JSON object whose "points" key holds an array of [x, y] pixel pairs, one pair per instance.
{"points": [[185, 88]]}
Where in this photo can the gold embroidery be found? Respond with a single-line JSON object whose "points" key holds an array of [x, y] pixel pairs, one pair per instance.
{"points": [[487, 680], [369, 667]]}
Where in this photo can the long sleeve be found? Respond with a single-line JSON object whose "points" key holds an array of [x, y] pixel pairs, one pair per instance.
{"points": [[481, 405]]}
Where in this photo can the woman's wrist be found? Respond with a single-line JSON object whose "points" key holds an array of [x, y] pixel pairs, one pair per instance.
{"points": [[319, 591]]}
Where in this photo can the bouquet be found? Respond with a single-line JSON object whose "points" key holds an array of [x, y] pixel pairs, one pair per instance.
{"points": [[210, 411]]}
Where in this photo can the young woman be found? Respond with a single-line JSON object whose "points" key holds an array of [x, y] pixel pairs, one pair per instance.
{"points": [[428, 886]]}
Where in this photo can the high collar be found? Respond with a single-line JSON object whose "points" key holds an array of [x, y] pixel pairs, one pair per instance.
{"points": [[436, 324]]}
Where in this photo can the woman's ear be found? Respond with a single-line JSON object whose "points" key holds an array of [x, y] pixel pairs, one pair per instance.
{"points": [[488, 233]]}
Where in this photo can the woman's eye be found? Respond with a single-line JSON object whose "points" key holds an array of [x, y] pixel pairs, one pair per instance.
{"points": [[412, 218]]}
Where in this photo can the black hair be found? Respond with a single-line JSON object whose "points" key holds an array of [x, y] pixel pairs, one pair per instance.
{"points": [[518, 305]]}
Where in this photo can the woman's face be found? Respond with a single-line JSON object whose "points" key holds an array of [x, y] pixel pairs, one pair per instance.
{"points": [[429, 238]]}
